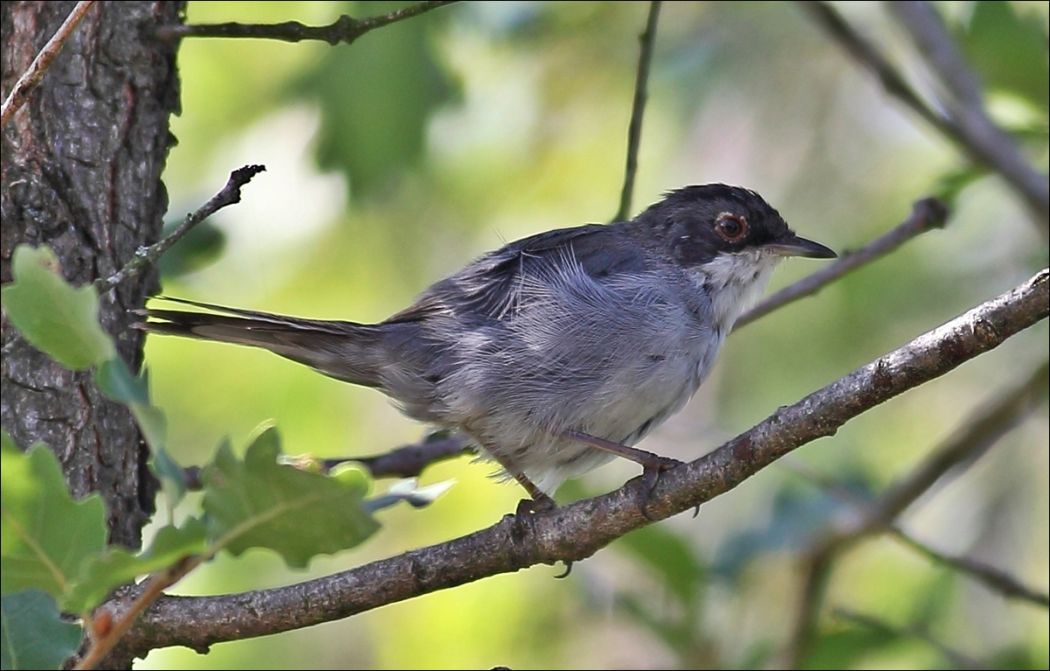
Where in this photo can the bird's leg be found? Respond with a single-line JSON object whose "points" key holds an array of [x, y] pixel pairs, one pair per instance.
{"points": [[539, 502], [652, 464]]}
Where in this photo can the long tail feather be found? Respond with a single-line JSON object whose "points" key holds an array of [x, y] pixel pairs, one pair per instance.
{"points": [[345, 350]]}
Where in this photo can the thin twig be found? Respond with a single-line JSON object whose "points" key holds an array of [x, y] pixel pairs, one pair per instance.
{"points": [[153, 589], [345, 29], [35, 73], [970, 138], [866, 518], [408, 461], [991, 577], [146, 256], [574, 532], [926, 215], [985, 140], [956, 658], [634, 131]]}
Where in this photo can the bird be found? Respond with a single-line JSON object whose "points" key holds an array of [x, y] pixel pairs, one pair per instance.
{"points": [[557, 352]]}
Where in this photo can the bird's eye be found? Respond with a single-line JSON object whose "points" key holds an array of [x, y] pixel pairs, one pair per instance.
{"points": [[731, 227]]}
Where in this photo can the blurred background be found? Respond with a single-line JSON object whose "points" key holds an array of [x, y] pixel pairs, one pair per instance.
{"points": [[394, 161]]}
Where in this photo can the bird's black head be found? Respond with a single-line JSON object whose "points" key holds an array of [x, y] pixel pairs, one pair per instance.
{"points": [[697, 223]]}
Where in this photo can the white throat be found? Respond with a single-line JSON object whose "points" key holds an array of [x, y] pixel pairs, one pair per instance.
{"points": [[733, 282]]}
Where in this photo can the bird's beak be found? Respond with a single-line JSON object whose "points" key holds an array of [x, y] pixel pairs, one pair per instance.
{"points": [[792, 245]]}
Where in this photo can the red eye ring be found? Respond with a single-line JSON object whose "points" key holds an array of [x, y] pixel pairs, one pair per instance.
{"points": [[731, 227]]}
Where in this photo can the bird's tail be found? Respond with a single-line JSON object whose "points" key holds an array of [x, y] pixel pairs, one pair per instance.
{"points": [[344, 350]]}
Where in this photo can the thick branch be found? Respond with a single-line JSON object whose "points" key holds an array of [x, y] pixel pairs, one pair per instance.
{"points": [[926, 214], [32, 76], [146, 256], [581, 529], [641, 94], [345, 29]]}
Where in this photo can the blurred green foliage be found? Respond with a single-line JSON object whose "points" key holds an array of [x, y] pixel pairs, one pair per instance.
{"points": [[395, 160]]}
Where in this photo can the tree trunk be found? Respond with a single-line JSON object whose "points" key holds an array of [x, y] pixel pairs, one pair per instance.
{"points": [[80, 172]]}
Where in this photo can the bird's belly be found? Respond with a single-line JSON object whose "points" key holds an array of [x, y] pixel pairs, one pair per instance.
{"points": [[635, 397]]}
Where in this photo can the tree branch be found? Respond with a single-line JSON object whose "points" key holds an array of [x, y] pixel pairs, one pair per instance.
{"points": [[926, 214], [965, 445], [991, 577], [345, 29], [634, 129], [35, 73], [408, 461], [146, 256], [990, 148], [983, 138], [577, 531]]}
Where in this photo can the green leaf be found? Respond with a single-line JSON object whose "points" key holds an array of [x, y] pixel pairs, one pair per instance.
{"points": [[46, 536], [32, 634], [1009, 50], [261, 503], [376, 102], [844, 648], [116, 381], [55, 317], [118, 566]]}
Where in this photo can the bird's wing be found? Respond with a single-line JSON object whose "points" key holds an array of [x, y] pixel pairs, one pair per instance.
{"points": [[489, 287]]}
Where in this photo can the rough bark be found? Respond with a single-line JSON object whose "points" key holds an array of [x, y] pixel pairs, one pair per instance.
{"points": [[81, 173]]}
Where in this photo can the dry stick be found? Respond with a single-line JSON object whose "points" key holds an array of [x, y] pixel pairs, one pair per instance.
{"points": [[146, 256], [634, 130], [581, 529], [965, 445], [978, 147], [926, 214], [345, 29], [985, 139], [32, 76]]}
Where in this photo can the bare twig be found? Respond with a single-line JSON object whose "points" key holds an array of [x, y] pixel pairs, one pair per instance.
{"points": [[35, 73], [634, 130], [146, 256], [345, 29], [989, 148], [408, 461], [153, 589], [957, 659], [991, 577], [869, 517], [984, 139], [926, 214], [579, 530]]}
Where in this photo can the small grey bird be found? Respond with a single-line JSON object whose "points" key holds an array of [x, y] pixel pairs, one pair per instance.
{"points": [[559, 351]]}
